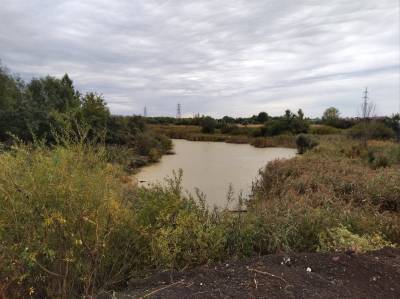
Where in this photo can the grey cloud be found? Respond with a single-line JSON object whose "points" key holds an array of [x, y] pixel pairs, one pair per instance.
{"points": [[215, 57]]}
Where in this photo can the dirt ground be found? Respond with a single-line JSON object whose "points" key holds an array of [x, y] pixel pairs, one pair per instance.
{"points": [[308, 275]]}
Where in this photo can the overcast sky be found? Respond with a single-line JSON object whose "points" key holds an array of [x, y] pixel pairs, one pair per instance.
{"points": [[215, 57]]}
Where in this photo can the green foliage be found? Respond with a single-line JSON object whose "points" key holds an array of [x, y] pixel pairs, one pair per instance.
{"points": [[49, 106], [305, 142], [95, 112], [262, 117], [69, 226], [124, 129], [275, 141], [394, 123], [323, 130], [152, 145], [208, 125], [288, 124], [341, 239], [230, 129], [331, 115], [377, 159], [228, 120], [61, 221], [374, 130]]}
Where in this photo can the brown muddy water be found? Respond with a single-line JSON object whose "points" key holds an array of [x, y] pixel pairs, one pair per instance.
{"points": [[212, 167]]}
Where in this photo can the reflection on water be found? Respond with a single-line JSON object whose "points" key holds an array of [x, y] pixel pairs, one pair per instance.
{"points": [[213, 166]]}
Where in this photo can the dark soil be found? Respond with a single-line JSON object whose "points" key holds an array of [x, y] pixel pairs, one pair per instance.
{"points": [[341, 275]]}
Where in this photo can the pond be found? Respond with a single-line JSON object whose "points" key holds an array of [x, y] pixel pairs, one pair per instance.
{"points": [[212, 167]]}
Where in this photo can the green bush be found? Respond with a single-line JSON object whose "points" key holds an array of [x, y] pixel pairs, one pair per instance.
{"points": [[304, 143], [373, 130], [382, 154], [323, 130], [377, 159], [208, 125], [148, 144], [230, 129], [275, 141], [341, 239]]}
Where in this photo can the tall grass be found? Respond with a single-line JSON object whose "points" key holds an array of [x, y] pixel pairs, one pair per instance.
{"points": [[328, 188]]}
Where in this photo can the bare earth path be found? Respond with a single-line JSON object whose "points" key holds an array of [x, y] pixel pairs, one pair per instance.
{"points": [[342, 275]]}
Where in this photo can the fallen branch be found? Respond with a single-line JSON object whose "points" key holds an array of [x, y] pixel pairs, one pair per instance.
{"points": [[267, 273], [160, 289]]}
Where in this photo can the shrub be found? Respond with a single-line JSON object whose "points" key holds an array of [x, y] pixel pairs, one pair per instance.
{"points": [[341, 239], [374, 130], [64, 228], [323, 130], [154, 155], [304, 143], [229, 129], [208, 125], [377, 160], [382, 154], [274, 141], [148, 144], [289, 124]]}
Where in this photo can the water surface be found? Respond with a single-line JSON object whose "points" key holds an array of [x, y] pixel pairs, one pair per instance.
{"points": [[213, 166]]}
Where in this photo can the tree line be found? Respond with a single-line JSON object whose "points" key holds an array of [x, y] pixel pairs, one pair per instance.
{"points": [[44, 106], [291, 123]]}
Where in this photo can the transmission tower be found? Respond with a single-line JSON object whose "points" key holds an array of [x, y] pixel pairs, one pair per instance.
{"points": [[365, 97], [179, 111], [365, 104], [145, 111]]}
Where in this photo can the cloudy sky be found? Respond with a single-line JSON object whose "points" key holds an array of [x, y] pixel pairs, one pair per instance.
{"points": [[235, 57]]}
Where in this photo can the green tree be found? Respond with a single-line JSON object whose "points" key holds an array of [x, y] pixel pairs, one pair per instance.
{"points": [[262, 117], [10, 90], [208, 124], [289, 123], [289, 115], [11, 96], [51, 93], [331, 116], [95, 112], [50, 103], [228, 119]]}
